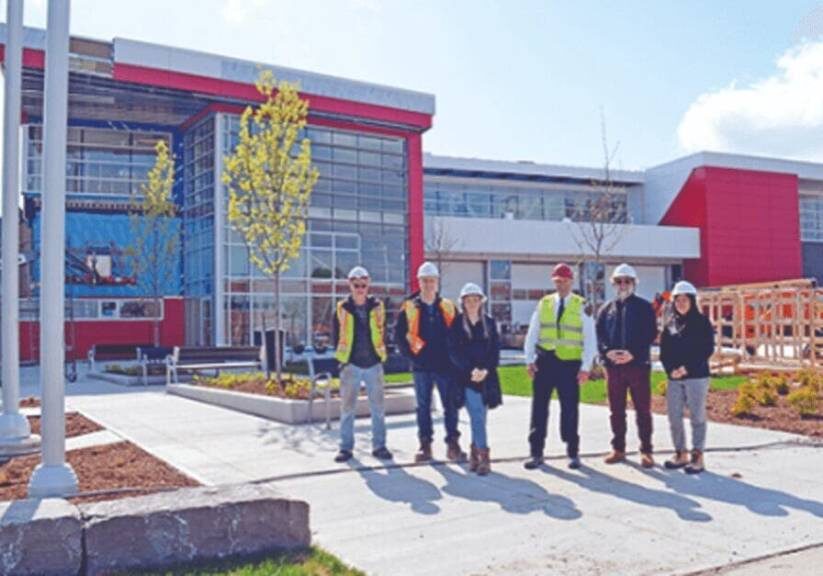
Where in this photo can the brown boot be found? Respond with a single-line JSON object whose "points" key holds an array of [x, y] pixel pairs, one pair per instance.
{"points": [[474, 458], [680, 459], [484, 466], [424, 454], [615, 457], [646, 460], [696, 465], [454, 453]]}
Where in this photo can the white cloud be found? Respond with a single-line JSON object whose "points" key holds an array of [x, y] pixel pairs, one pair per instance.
{"points": [[781, 115]]}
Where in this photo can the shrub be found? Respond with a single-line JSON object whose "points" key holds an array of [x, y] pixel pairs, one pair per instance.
{"points": [[765, 391], [810, 379], [746, 399], [296, 389], [804, 400], [779, 383]]}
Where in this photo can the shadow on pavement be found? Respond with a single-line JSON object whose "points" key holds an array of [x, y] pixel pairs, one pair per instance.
{"points": [[590, 479], [514, 495], [396, 485]]}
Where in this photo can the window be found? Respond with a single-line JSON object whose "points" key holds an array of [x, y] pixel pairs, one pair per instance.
{"points": [[811, 218]]}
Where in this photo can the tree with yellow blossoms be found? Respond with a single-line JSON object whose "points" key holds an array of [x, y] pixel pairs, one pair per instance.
{"points": [[153, 254], [270, 178]]}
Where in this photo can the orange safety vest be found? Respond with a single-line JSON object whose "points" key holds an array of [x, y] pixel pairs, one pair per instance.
{"points": [[416, 343]]}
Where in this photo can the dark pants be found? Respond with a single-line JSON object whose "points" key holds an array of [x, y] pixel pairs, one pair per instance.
{"points": [[637, 381], [561, 375], [424, 383]]}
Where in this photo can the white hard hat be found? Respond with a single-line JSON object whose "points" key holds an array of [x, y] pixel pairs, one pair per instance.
{"points": [[358, 272], [625, 271], [472, 289], [684, 287], [428, 270]]}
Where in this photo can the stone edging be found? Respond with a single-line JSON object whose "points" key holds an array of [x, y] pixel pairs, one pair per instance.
{"points": [[188, 525], [397, 401], [126, 380]]}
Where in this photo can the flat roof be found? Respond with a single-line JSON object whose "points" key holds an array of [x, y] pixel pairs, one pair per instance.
{"points": [[184, 61]]}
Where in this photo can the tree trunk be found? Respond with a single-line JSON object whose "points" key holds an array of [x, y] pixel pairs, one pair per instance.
{"points": [[156, 323], [278, 361]]}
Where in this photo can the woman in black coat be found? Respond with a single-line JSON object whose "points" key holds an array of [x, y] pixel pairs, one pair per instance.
{"points": [[474, 349], [686, 344]]}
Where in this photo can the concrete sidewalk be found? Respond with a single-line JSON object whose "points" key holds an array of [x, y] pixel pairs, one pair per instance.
{"points": [[762, 494]]}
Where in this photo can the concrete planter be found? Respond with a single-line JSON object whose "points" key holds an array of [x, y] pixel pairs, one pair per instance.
{"points": [[124, 380], [398, 401]]}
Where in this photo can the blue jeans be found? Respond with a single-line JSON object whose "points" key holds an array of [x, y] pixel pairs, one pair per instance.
{"points": [[477, 414], [424, 383], [350, 378]]}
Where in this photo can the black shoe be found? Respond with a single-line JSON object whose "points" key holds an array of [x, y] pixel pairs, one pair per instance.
{"points": [[574, 463], [343, 456], [533, 463], [382, 453]]}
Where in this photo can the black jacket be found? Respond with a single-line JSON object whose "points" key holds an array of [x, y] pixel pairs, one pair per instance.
{"points": [[434, 356], [687, 341], [476, 351], [639, 329]]}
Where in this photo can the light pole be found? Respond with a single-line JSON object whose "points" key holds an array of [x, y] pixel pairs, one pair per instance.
{"points": [[53, 477], [15, 432]]}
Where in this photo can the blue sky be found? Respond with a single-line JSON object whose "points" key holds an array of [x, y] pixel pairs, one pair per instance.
{"points": [[528, 79]]}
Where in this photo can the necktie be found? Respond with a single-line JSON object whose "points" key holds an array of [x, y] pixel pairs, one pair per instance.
{"points": [[560, 310]]}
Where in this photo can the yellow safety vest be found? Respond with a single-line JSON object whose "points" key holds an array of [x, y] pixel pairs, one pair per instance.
{"points": [[377, 326], [565, 338], [416, 343]]}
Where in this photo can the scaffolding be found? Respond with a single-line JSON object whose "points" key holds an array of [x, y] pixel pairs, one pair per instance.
{"points": [[766, 326]]}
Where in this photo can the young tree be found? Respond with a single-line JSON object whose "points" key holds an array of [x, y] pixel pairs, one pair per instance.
{"points": [[153, 255], [440, 244], [270, 178], [598, 224]]}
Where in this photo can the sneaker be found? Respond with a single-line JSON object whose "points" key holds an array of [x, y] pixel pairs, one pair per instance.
{"points": [[382, 453], [533, 463], [343, 456], [574, 463], [614, 457]]}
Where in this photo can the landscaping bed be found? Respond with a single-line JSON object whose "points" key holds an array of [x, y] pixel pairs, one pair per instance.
{"points": [[76, 425], [122, 467]]}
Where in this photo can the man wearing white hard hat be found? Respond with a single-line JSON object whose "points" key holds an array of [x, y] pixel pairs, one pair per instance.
{"points": [[474, 349], [360, 347], [626, 329], [421, 335], [560, 348], [686, 344]]}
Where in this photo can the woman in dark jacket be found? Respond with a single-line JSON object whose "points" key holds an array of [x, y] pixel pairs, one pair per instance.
{"points": [[686, 345], [474, 350]]}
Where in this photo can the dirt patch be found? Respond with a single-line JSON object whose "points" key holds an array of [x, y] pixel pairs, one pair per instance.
{"points": [[30, 402], [781, 417], [76, 425], [112, 467]]}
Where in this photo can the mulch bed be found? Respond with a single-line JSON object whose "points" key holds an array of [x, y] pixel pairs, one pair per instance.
{"points": [[110, 467], [30, 402], [76, 425], [780, 417]]}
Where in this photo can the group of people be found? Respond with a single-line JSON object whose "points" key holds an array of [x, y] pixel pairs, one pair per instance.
{"points": [[455, 349]]}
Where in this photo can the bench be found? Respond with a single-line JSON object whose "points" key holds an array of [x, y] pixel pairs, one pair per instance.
{"points": [[152, 355], [100, 352], [216, 359]]}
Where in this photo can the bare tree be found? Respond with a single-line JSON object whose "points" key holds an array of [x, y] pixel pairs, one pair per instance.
{"points": [[440, 245], [598, 220]]}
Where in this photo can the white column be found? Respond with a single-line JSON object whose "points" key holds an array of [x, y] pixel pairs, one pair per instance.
{"points": [[54, 477], [219, 234], [15, 433]]}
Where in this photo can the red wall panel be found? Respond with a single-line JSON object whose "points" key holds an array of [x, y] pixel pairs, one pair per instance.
{"points": [[749, 225]]}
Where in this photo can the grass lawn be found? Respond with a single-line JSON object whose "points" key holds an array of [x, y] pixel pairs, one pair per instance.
{"points": [[515, 381], [313, 562]]}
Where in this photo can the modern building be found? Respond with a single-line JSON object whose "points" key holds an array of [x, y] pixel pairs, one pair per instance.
{"points": [[713, 218]]}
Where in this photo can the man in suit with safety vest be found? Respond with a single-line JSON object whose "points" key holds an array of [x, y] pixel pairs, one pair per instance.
{"points": [[421, 334], [359, 339], [560, 347]]}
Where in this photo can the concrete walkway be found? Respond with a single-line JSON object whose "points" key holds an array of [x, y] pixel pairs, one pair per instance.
{"points": [[762, 495]]}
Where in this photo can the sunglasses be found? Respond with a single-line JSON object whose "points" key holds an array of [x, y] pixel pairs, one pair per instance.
{"points": [[624, 281], [359, 285]]}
